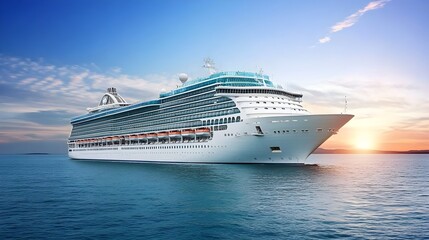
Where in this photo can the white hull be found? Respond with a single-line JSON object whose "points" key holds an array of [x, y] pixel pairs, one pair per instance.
{"points": [[240, 143]]}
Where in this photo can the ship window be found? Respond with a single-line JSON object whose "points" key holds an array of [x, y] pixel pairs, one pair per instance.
{"points": [[229, 120], [233, 119], [238, 119], [204, 123], [216, 121], [221, 121], [275, 149], [224, 120]]}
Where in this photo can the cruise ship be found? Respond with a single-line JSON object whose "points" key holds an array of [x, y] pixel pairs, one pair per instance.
{"points": [[227, 117]]}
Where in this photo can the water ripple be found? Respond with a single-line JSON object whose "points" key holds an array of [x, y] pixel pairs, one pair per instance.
{"points": [[344, 197]]}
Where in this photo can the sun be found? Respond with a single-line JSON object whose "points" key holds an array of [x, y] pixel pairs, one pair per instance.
{"points": [[364, 143]]}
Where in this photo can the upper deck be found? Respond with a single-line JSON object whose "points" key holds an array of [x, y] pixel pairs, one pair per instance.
{"points": [[243, 79], [222, 79]]}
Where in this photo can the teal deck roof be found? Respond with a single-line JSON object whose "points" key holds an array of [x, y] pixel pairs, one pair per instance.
{"points": [[227, 74], [248, 79]]}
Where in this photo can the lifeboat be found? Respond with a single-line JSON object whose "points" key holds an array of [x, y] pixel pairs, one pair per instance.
{"points": [[109, 139], [175, 134], [142, 136], [163, 135], [152, 135], [205, 132], [115, 138], [133, 137], [188, 133]]}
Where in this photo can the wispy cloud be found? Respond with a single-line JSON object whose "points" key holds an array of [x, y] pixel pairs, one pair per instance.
{"points": [[324, 40], [42, 97], [353, 19]]}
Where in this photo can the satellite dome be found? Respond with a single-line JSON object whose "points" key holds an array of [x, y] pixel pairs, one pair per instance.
{"points": [[183, 77]]}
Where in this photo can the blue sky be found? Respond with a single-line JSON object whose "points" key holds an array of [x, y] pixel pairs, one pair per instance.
{"points": [[57, 58]]}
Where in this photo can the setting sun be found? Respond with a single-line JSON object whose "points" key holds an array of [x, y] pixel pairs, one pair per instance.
{"points": [[364, 143]]}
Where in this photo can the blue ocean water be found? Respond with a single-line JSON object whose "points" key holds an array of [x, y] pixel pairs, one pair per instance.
{"points": [[344, 197]]}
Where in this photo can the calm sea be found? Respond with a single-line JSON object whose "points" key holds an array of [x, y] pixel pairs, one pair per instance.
{"points": [[344, 197]]}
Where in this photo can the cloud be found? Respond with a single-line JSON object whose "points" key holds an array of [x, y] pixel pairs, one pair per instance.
{"points": [[324, 40], [40, 98], [398, 108], [50, 117], [353, 19]]}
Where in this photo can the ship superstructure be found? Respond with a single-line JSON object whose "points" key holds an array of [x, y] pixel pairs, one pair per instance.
{"points": [[228, 117]]}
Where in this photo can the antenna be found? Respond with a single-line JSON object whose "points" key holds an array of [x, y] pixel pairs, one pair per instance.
{"points": [[345, 104], [209, 64], [261, 72]]}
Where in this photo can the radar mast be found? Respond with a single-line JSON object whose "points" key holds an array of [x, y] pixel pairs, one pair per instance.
{"points": [[209, 64]]}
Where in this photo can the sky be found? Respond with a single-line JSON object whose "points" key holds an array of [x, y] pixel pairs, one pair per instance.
{"points": [[57, 57]]}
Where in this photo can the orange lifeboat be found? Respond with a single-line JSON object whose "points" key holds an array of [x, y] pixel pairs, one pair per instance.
{"points": [[152, 135], [163, 135], [109, 139], [142, 136], [175, 134], [203, 132], [133, 137], [188, 133]]}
